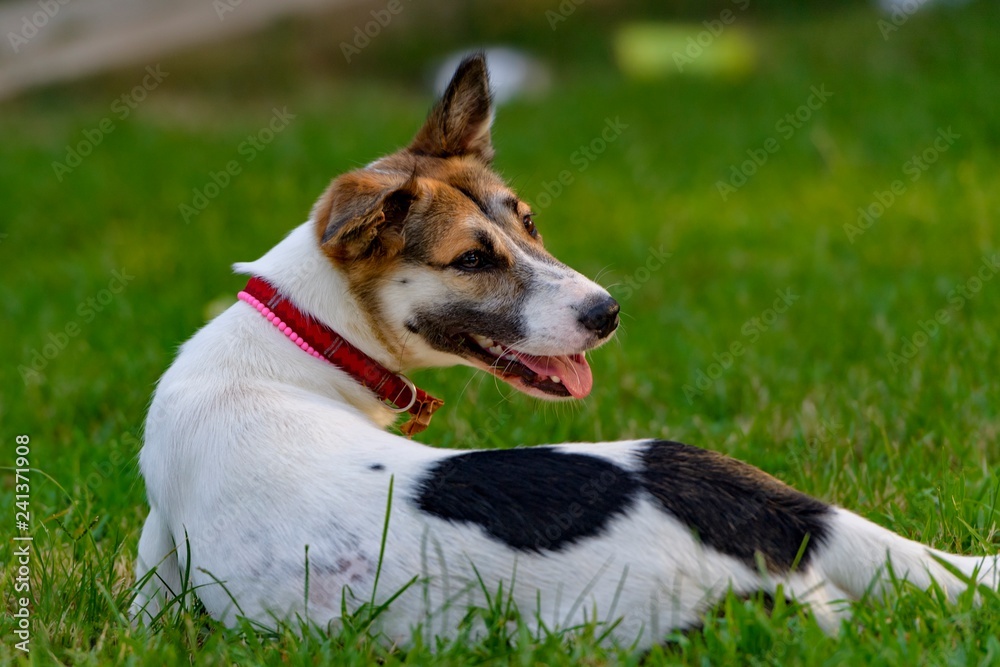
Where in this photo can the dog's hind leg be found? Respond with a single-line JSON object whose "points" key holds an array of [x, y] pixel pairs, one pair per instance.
{"points": [[828, 603], [858, 556], [157, 573]]}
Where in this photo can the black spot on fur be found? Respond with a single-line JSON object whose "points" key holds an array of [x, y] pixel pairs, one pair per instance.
{"points": [[531, 499], [376, 466], [732, 506]]}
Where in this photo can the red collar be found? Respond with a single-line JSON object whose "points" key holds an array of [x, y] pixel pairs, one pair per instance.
{"points": [[323, 342]]}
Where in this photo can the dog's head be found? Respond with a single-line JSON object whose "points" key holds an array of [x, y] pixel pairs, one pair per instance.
{"points": [[445, 260]]}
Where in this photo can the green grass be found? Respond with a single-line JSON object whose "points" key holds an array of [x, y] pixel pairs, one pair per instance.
{"points": [[816, 399]]}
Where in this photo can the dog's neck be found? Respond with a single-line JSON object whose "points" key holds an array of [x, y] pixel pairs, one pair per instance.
{"points": [[301, 272]]}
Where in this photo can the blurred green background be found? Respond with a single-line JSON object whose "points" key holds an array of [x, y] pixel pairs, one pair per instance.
{"points": [[728, 184]]}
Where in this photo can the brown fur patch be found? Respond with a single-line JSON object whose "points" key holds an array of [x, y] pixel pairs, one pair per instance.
{"points": [[457, 205], [429, 204], [361, 215], [359, 227]]}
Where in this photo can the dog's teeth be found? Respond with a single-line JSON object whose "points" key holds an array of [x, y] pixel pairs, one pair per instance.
{"points": [[496, 349], [483, 341], [555, 378]]}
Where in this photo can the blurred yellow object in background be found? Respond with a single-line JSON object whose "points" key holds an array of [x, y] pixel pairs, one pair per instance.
{"points": [[716, 47]]}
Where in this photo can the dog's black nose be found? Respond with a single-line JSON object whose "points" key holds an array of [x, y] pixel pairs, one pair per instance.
{"points": [[601, 316]]}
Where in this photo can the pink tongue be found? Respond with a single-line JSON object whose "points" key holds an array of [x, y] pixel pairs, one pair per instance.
{"points": [[573, 371]]}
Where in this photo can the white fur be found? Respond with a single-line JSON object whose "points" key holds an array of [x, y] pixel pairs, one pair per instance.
{"points": [[255, 451], [552, 313]]}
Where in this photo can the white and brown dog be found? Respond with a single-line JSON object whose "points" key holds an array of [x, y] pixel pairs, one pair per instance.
{"points": [[268, 466]]}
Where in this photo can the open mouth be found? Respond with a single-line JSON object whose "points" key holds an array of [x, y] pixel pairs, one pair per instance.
{"points": [[564, 376]]}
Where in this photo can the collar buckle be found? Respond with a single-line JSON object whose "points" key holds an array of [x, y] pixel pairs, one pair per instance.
{"points": [[392, 405]]}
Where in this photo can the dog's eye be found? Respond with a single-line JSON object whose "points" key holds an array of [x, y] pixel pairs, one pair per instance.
{"points": [[472, 261], [529, 224]]}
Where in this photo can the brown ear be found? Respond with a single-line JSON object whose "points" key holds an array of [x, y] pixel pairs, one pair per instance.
{"points": [[459, 124], [360, 218]]}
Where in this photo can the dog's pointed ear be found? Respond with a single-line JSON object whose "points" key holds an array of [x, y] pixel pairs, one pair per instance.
{"points": [[459, 124], [360, 218]]}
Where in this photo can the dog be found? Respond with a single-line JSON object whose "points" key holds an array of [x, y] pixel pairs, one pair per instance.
{"points": [[276, 492]]}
